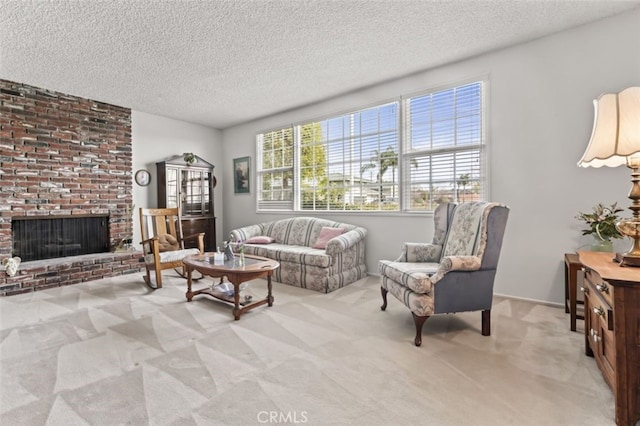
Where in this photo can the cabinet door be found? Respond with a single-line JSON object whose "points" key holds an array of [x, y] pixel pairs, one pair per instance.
{"points": [[195, 192], [197, 225], [207, 196], [601, 337], [192, 192], [172, 188]]}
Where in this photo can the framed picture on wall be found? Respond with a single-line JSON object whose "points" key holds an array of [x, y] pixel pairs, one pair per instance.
{"points": [[242, 176]]}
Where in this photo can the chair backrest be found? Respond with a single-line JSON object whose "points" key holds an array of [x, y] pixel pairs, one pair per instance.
{"points": [[157, 222], [442, 216], [476, 229]]}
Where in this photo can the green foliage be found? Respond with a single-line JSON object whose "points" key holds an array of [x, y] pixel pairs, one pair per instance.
{"points": [[314, 182], [601, 222], [382, 161]]}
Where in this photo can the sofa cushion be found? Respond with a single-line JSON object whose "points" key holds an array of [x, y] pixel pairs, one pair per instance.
{"points": [[260, 239], [172, 256], [287, 253], [325, 235], [413, 275]]}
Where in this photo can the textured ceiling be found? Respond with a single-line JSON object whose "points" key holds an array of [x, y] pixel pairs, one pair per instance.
{"points": [[220, 63]]}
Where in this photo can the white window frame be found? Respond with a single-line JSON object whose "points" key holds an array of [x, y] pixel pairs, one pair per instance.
{"points": [[410, 155], [406, 155]]}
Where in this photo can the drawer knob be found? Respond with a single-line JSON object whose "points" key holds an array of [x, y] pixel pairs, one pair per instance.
{"points": [[598, 311], [603, 288]]}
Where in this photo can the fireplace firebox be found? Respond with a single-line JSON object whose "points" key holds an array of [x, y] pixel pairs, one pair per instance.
{"points": [[51, 237]]}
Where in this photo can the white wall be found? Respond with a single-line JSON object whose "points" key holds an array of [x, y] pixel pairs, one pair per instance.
{"points": [[540, 119], [156, 138]]}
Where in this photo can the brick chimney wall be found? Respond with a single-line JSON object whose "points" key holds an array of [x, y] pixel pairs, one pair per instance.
{"points": [[62, 155]]}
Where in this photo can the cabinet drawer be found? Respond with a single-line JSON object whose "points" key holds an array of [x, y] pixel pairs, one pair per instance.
{"points": [[599, 306], [600, 286]]}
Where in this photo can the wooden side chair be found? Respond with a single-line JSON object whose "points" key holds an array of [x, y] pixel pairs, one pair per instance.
{"points": [[163, 243]]}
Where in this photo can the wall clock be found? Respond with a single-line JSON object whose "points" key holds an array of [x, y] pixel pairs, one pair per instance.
{"points": [[143, 178]]}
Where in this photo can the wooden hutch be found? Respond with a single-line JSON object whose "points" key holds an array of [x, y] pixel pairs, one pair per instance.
{"points": [[189, 186]]}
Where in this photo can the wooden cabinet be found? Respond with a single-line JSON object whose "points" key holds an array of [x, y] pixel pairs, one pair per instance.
{"points": [[612, 328], [190, 188]]}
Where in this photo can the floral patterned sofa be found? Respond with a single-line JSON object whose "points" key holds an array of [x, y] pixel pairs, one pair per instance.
{"points": [[297, 243]]}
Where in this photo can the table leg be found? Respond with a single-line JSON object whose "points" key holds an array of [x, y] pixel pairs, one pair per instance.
{"points": [[189, 292], [236, 300], [269, 293]]}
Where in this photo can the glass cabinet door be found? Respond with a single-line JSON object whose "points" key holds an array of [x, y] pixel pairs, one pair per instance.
{"points": [[171, 185], [188, 188], [192, 195]]}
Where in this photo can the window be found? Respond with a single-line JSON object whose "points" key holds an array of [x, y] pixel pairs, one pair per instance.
{"points": [[353, 162], [275, 170], [336, 155], [443, 148]]}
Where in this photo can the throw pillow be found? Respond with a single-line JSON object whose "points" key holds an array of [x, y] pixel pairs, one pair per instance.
{"points": [[168, 242], [325, 235], [261, 239]]}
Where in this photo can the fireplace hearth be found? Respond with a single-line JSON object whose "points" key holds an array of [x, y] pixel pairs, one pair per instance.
{"points": [[52, 237]]}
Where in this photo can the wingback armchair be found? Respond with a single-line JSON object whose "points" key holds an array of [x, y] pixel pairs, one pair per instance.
{"points": [[455, 273]]}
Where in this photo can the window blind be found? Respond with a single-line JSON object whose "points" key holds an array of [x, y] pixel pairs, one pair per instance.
{"points": [[443, 148], [356, 161]]}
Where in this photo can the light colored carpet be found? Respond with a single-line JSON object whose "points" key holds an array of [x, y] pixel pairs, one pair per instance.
{"points": [[111, 352]]}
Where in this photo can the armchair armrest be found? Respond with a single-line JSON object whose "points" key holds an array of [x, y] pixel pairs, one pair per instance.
{"points": [[456, 263], [420, 252], [199, 237], [152, 243], [460, 263], [348, 239], [149, 240]]}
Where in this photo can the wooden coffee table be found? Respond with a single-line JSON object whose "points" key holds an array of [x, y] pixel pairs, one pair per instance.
{"points": [[254, 267]]}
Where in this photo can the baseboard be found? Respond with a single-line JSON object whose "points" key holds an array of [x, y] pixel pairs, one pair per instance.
{"points": [[525, 299]]}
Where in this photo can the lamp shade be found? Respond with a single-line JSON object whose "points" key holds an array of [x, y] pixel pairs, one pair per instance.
{"points": [[615, 139]]}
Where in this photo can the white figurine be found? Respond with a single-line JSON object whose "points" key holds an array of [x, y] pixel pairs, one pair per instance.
{"points": [[11, 265]]}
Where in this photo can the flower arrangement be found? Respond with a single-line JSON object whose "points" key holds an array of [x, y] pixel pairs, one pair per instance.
{"points": [[602, 222], [189, 157]]}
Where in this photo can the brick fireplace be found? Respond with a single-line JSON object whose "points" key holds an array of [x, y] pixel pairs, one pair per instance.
{"points": [[63, 156]]}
